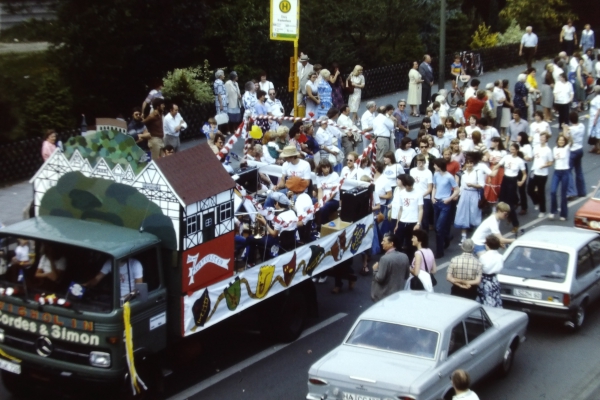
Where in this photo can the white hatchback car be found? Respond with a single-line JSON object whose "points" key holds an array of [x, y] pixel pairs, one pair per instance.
{"points": [[554, 272]]}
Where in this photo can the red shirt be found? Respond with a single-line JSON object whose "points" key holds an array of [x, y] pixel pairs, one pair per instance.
{"points": [[474, 107], [453, 167]]}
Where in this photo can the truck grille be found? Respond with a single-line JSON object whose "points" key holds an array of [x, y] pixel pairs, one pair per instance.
{"points": [[71, 353]]}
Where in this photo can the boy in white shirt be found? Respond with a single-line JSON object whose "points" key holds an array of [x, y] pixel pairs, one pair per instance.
{"points": [[410, 214], [423, 184]]}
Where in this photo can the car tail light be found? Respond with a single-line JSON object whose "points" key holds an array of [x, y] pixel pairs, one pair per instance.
{"points": [[566, 299], [318, 381]]}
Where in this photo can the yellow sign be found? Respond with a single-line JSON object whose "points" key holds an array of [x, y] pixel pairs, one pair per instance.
{"points": [[285, 20]]}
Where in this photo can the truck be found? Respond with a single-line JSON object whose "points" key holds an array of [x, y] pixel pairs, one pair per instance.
{"points": [[125, 260]]}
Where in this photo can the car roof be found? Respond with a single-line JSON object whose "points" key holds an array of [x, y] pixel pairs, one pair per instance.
{"points": [[557, 236], [433, 311], [114, 240]]}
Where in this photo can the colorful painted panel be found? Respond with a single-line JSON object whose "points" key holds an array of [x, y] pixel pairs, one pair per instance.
{"points": [[207, 263], [101, 200], [208, 306], [112, 146]]}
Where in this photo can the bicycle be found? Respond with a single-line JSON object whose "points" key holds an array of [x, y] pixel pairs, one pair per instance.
{"points": [[457, 94]]}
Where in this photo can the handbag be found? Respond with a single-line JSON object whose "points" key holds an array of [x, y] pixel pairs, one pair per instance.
{"points": [[222, 118], [349, 87]]}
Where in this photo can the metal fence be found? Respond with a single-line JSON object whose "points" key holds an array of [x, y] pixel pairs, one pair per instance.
{"points": [[20, 160]]}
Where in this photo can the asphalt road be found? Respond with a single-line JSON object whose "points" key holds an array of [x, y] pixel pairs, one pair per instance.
{"points": [[551, 364]]}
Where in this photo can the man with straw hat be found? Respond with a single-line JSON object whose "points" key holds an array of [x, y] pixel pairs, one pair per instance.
{"points": [[293, 166]]}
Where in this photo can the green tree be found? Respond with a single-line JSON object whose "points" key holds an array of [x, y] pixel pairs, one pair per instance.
{"points": [[49, 107], [484, 37], [550, 13]]}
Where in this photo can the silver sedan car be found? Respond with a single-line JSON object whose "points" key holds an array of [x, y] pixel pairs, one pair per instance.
{"points": [[407, 346]]}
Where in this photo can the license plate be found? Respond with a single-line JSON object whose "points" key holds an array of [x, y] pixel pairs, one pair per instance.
{"points": [[10, 367], [528, 294], [354, 396]]}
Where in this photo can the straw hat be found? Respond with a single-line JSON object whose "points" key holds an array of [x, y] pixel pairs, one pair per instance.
{"points": [[289, 151]]}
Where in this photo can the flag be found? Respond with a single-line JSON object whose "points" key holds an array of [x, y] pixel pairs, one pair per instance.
{"points": [[75, 289]]}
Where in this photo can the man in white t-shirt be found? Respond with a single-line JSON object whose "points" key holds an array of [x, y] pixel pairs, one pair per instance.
{"points": [[366, 124], [411, 213], [568, 37], [487, 132], [424, 185], [491, 226], [130, 273]]}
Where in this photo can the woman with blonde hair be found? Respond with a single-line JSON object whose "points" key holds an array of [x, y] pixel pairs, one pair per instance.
{"points": [[357, 81], [324, 88], [414, 89]]}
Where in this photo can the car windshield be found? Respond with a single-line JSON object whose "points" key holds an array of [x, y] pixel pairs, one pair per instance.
{"points": [[52, 273], [534, 263], [398, 338]]}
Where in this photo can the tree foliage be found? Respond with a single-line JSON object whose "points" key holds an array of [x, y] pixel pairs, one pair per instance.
{"points": [[550, 13], [49, 107], [513, 34], [189, 85], [484, 37]]}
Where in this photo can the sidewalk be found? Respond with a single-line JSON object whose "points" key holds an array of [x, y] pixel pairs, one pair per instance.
{"points": [[16, 197]]}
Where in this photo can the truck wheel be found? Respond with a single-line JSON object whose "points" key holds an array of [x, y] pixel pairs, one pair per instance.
{"points": [[15, 384], [291, 317]]}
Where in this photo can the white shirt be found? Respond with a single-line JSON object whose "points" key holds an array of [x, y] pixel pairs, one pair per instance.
{"points": [[529, 40], [127, 282], [323, 137], [366, 121], [563, 92], [170, 123], [382, 186], [577, 133], [597, 68], [541, 157], [573, 64], [274, 107], [466, 145], [44, 264], [556, 72], [470, 92], [561, 157], [498, 94], [483, 168], [405, 157], [459, 116], [302, 204], [470, 129], [382, 126], [487, 135], [527, 151], [568, 32], [441, 143], [266, 85], [288, 221], [512, 165], [423, 178], [409, 203], [492, 262], [488, 227], [496, 155], [450, 134], [334, 132], [302, 169], [350, 174], [266, 155], [475, 177], [344, 120], [391, 172], [535, 128], [327, 183], [434, 152], [22, 253]]}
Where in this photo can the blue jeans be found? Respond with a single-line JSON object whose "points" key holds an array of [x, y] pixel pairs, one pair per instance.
{"points": [[269, 202], [328, 208], [577, 185], [561, 176], [442, 214], [427, 215]]}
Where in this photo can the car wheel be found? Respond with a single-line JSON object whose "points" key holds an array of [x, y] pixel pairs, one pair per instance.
{"points": [[507, 360], [577, 319]]}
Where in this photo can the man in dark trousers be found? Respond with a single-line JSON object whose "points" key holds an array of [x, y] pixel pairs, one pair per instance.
{"points": [[427, 74], [390, 273]]}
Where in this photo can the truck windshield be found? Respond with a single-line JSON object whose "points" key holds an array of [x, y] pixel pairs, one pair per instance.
{"points": [[55, 274]]}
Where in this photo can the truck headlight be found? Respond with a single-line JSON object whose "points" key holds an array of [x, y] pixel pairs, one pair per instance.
{"points": [[1, 335], [100, 359]]}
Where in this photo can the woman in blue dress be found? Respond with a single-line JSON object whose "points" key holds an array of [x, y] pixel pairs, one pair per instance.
{"points": [[325, 101]]}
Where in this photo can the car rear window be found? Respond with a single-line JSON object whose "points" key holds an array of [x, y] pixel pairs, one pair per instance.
{"points": [[394, 337], [534, 263]]}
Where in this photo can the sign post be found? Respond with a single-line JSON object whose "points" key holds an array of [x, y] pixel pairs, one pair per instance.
{"points": [[285, 25]]}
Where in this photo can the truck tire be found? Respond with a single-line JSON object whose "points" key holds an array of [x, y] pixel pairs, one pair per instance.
{"points": [[291, 318]]}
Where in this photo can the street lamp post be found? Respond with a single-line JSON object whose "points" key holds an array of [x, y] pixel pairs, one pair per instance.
{"points": [[442, 79]]}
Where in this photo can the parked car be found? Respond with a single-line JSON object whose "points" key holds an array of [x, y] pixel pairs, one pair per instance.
{"points": [[553, 272], [407, 346], [588, 215]]}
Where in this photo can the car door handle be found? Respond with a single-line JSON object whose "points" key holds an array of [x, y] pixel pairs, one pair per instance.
{"points": [[473, 352]]}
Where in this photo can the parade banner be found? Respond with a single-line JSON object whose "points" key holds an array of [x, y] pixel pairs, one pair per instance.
{"points": [[217, 302]]}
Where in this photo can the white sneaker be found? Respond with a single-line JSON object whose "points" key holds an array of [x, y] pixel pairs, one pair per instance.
{"points": [[550, 216], [463, 238], [541, 215], [562, 218], [536, 207], [323, 279]]}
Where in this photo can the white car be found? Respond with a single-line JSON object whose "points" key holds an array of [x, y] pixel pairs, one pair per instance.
{"points": [[407, 346]]}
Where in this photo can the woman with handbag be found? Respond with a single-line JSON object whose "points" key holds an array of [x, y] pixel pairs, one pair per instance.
{"points": [[423, 267], [356, 80], [468, 213], [488, 291]]}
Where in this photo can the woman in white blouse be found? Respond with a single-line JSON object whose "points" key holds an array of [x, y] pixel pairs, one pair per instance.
{"points": [[513, 164], [392, 168], [327, 180], [472, 127], [561, 153], [405, 154], [357, 81], [264, 84], [468, 214], [464, 143], [488, 292], [563, 96]]}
